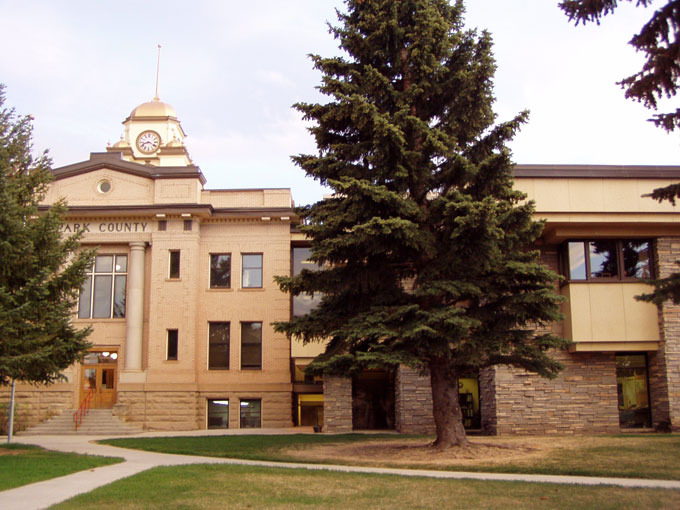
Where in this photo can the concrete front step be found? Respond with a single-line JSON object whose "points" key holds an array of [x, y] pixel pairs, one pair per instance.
{"points": [[95, 422]]}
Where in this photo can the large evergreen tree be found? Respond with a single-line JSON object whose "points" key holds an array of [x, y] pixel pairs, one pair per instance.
{"points": [[40, 270], [659, 41], [426, 248]]}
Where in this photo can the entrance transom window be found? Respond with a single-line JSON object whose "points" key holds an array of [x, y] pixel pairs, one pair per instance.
{"points": [[99, 377]]}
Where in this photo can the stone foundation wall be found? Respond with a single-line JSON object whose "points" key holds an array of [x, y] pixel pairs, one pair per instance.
{"points": [[582, 399], [337, 404], [664, 365], [159, 410], [413, 402], [33, 407], [170, 410]]}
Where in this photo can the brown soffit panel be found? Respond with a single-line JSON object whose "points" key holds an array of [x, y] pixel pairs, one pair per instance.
{"points": [[112, 160]]}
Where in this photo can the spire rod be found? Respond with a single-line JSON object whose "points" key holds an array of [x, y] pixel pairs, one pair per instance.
{"points": [[158, 70]]}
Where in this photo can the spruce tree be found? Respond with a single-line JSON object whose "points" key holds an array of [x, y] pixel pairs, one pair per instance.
{"points": [[40, 270], [426, 248]]}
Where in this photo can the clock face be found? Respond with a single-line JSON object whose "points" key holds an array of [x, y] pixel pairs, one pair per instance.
{"points": [[148, 142]]}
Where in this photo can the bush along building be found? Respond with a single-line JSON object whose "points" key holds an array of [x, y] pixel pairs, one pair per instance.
{"points": [[181, 298]]}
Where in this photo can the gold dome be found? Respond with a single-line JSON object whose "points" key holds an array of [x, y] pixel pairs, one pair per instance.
{"points": [[153, 108]]}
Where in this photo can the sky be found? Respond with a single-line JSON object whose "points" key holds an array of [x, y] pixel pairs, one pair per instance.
{"points": [[232, 70]]}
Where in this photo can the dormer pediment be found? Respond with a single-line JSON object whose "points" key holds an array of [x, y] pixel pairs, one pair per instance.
{"points": [[106, 179]]}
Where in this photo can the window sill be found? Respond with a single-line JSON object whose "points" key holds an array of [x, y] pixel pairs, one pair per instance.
{"points": [[251, 289], [220, 289], [604, 280], [173, 279], [101, 319]]}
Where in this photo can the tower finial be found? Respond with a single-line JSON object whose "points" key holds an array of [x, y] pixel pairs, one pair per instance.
{"points": [[158, 69]]}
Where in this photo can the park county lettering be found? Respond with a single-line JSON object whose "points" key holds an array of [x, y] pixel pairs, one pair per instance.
{"points": [[106, 227]]}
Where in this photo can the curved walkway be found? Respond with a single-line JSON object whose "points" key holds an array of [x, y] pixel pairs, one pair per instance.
{"points": [[49, 492]]}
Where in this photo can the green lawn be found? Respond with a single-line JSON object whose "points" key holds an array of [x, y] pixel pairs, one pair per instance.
{"points": [[632, 456], [241, 487], [22, 464]]}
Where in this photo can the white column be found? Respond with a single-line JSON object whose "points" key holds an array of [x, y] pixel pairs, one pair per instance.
{"points": [[135, 307]]}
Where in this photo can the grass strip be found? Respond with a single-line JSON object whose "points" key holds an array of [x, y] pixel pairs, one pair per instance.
{"points": [[22, 464], [633, 456], [245, 487]]}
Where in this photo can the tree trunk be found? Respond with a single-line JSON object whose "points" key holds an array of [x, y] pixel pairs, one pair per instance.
{"points": [[448, 418]]}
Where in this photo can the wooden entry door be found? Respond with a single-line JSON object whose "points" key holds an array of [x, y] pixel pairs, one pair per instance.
{"points": [[99, 375]]}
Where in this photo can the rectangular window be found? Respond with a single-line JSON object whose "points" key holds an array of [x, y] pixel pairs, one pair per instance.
{"points": [[218, 346], [306, 302], [218, 414], [251, 274], [220, 270], [632, 387], [162, 225], [188, 224], [102, 295], [636, 259], [577, 261], [172, 344], [173, 271], [606, 259], [251, 346], [251, 414], [603, 259]]}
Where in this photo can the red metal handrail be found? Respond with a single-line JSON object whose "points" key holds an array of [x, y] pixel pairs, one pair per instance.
{"points": [[83, 408]]}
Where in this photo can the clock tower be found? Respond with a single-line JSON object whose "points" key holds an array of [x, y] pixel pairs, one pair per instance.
{"points": [[153, 136]]}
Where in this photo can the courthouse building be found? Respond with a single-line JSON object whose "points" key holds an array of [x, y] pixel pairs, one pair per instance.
{"points": [[182, 299]]}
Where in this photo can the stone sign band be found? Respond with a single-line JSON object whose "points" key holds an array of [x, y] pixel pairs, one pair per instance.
{"points": [[107, 227]]}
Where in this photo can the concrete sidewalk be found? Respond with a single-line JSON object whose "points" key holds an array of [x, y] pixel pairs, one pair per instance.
{"points": [[43, 494]]}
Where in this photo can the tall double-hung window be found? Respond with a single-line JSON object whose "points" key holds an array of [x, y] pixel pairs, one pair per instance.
{"points": [[102, 295]]}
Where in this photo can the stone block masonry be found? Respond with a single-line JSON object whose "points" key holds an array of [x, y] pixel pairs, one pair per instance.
{"points": [[582, 399], [664, 364], [487, 401], [187, 410], [337, 404], [34, 406], [413, 402]]}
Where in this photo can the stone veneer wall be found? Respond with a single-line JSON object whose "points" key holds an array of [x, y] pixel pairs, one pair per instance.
{"points": [[337, 404], [187, 410], [582, 399], [412, 402], [664, 364], [34, 406], [487, 401]]}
